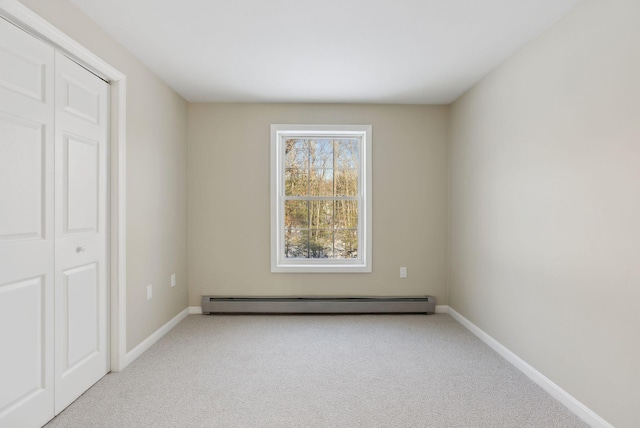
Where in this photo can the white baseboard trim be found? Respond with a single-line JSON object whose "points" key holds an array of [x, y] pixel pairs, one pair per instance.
{"points": [[579, 409], [157, 335], [442, 309], [195, 310]]}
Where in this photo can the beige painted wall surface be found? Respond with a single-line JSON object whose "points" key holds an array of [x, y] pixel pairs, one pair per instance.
{"points": [[545, 230], [229, 212], [156, 176]]}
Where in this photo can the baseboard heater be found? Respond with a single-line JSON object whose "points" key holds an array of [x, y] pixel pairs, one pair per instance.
{"points": [[318, 305]]}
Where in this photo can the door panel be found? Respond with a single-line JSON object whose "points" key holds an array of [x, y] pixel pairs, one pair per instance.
{"points": [[25, 73], [81, 295], [27, 343], [81, 184], [81, 100], [26, 229], [81, 315], [22, 145]]}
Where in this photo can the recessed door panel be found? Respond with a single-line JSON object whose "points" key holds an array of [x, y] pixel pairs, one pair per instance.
{"points": [[81, 184], [21, 172], [22, 73], [81, 294], [23, 343], [80, 100]]}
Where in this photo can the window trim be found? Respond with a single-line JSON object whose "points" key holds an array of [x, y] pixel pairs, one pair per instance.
{"points": [[278, 262]]}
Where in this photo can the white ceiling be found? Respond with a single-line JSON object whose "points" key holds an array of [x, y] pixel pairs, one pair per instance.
{"points": [[357, 51]]}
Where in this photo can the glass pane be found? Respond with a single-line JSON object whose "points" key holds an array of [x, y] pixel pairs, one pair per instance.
{"points": [[347, 153], [346, 182], [346, 244], [320, 244], [296, 244], [321, 182], [296, 182], [321, 153], [296, 215], [346, 215], [296, 153], [321, 214]]}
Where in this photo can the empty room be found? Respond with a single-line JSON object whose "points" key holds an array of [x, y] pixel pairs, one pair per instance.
{"points": [[319, 213]]}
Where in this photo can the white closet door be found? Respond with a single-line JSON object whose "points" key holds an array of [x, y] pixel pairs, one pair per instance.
{"points": [[26, 229], [81, 303]]}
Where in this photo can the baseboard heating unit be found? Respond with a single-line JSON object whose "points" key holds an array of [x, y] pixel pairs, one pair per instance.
{"points": [[318, 305]]}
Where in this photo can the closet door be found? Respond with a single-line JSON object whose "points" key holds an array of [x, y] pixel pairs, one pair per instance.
{"points": [[26, 229], [81, 302]]}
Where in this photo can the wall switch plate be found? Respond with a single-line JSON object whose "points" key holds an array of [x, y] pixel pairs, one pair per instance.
{"points": [[173, 280], [403, 272], [149, 291]]}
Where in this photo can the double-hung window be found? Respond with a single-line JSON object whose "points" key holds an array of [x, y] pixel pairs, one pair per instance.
{"points": [[321, 198]]}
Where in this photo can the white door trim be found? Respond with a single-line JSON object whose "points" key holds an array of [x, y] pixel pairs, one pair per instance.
{"points": [[20, 15]]}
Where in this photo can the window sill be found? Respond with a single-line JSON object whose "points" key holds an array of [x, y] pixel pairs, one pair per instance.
{"points": [[324, 268]]}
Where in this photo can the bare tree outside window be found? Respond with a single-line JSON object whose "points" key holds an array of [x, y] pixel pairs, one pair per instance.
{"points": [[321, 203]]}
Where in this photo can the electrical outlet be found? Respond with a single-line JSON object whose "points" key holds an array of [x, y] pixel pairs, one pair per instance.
{"points": [[173, 280], [149, 291], [403, 272]]}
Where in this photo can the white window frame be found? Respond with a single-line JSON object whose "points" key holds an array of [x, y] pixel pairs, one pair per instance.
{"points": [[279, 133]]}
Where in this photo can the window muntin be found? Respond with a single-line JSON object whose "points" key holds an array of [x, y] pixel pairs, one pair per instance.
{"points": [[321, 198]]}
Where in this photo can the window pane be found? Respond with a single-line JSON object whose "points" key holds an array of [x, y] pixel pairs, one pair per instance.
{"points": [[296, 153], [296, 244], [346, 182], [296, 215], [320, 244], [346, 215], [321, 182], [321, 153], [296, 182], [347, 154], [346, 244], [321, 214]]}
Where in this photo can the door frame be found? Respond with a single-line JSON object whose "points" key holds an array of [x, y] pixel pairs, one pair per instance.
{"points": [[20, 15]]}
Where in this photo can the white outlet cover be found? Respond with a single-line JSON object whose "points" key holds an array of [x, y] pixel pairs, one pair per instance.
{"points": [[149, 291], [173, 280], [403, 272]]}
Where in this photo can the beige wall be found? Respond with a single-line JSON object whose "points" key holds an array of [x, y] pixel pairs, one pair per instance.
{"points": [[229, 226], [156, 176], [545, 185]]}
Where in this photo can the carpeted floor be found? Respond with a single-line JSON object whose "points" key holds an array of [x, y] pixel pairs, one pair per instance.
{"points": [[317, 371]]}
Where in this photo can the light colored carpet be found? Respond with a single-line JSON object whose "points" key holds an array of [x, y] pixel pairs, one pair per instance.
{"points": [[317, 371]]}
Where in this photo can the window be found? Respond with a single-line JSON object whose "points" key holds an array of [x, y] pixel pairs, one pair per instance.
{"points": [[320, 198]]}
